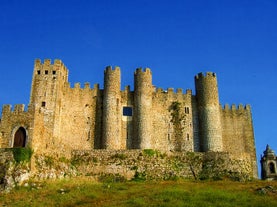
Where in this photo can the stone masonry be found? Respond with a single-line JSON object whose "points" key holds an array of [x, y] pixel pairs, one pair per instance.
{"points": [[60, 118]]}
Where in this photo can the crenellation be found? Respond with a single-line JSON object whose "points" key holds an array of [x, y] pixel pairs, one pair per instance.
{"points": [[179, 91], [45, 70], [77, 85], [236, 108], [37, 63], [18, 108], [7, 108], [205, 75], [96, 86], [159, 90], [110, 68], [58, 62], [143, 70], [240, 107], [248, 107], [210, 74], [60, 119], [87, 85], [226, 107], [170, 91], [47, 62], [189, 92]]}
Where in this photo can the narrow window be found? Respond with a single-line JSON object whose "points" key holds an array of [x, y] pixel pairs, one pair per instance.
{"points": [[187, 110], [54, 72], [46, 72], [43, 104], [127, 111], [187, 137], [38, 72]]}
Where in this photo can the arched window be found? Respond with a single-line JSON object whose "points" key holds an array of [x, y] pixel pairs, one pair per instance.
{"points": [[20, 138], [271, 168]]}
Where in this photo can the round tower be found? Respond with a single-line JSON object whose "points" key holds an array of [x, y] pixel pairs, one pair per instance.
{"points": [[143, 107], [209, 112], [111, 109]]}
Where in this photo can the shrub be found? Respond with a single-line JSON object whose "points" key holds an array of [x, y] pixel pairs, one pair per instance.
{"points": [[149, 152], [22, 154]]}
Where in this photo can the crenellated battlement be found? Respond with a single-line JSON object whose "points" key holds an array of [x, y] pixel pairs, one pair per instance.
{"points": [[179, 91], [111, 69], [205, 75], [18, 108], [47, 62], [141, 70], [46, 68], [86, 86], [235, 107]]}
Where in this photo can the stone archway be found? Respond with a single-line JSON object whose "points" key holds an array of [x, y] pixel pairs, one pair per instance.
{"points": [[20, 138]]}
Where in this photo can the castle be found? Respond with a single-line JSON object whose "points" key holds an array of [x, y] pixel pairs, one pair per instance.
{"points": [[60, 118]]}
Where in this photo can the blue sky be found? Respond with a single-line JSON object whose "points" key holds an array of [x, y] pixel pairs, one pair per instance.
{"points": [[177, 39]]}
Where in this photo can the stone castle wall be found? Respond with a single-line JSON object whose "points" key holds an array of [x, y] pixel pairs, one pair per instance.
{"points": [[237, 127], [124, 164], [12, 119], [60, 119]]}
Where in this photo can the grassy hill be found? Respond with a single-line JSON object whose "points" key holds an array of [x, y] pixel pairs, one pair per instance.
{"points": [[111, 192]]}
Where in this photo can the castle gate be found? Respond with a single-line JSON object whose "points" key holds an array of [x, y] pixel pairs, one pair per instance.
{"points": [[20, 138]]}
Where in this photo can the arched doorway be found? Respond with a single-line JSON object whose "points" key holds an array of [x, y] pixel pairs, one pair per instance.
{"points": [[271, 168], [20, 138]]}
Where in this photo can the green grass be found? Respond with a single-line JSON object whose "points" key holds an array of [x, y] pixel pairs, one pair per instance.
{"points": [[87, 192]]}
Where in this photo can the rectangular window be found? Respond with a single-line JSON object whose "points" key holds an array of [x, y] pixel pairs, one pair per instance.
{"points": [[127, 111], [187, 110], [38, 72], [46, 72], [54, 72], [43, 104]]}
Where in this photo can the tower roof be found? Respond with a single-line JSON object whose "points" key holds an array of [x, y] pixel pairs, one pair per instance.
{"points": [[268, 151]]}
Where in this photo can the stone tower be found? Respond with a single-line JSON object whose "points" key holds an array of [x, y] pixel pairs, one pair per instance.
{"points": [[209, 112], [48, 83], [269, 164], [142, 110], [112, 109]]}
